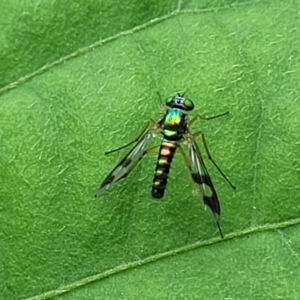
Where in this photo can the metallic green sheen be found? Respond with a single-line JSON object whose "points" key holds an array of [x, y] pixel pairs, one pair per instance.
{"points": [[172, 123], [189, 104], [169, 133], [173, 119]]}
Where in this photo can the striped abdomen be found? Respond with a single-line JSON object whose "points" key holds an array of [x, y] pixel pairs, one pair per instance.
{"points": [[165, 157]]}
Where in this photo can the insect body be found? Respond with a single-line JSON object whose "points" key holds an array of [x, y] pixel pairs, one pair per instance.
{"points": [[175, 129], [174, 126]]}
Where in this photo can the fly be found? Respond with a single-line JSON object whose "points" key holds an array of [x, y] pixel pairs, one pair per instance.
{"points": [[174, 127]]}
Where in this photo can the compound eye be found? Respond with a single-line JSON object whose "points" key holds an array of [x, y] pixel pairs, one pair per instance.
{"points": [[188, 104], [170, 102]]}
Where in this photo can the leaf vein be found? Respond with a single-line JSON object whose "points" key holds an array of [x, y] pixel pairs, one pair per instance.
{"points": [[114, 37], [130, 265]]}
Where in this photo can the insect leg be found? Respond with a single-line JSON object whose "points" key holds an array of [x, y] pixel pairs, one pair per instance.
{"points": [[200, 133], [186, 159], [135, 140], [160, 102], [206, 118]]}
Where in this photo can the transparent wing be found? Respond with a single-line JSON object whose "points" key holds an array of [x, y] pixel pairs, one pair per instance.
{"points": [[125, 166], [202, 179]]}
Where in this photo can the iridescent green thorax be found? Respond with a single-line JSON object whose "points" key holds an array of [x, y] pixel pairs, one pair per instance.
{"points": [[174, 124], [173, 118]]}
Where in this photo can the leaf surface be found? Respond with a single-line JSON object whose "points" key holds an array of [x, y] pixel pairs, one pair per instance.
{"points": [[84, 81]]}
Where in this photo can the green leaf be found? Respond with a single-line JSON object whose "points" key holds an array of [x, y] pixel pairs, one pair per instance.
{"points": [[79, 78]]}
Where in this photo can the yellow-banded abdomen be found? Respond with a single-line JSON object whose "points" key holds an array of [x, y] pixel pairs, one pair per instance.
{"points": [[166, 153]]}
